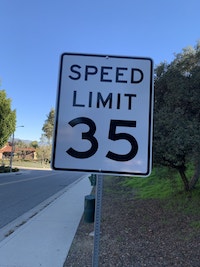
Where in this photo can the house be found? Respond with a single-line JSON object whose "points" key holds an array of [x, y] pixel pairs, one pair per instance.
{"points": [[19, 152]]}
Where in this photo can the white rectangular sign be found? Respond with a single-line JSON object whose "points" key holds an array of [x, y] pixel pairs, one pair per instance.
{"points": [[104, 115]]}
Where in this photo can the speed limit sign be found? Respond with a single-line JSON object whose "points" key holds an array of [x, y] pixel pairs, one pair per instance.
{"points": [[104, 114]]}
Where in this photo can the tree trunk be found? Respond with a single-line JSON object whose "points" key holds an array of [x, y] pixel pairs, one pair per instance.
{"points": [[196, 175], [184, 178]]}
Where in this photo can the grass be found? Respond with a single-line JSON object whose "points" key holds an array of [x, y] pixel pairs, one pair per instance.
{"points": [[167, 185], [26, 164], [156, 186], [161, 184], [17, 164], [195, 224]]}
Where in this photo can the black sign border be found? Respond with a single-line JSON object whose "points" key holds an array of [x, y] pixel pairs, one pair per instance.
{"points": [[150, 137]]}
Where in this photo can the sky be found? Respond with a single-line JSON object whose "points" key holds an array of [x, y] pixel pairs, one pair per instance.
{"points": [[34, 34]]}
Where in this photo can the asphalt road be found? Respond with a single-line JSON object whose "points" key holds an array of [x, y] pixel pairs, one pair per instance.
{"points": [[20, 192]]}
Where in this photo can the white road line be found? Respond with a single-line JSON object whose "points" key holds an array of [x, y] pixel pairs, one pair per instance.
{"points": [[27, 180]]}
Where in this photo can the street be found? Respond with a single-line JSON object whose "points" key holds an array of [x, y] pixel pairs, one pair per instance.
{"points": [[20, 192]]}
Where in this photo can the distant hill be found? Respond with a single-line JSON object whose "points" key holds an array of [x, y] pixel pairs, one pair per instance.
{"points": [[29, 141], [18, 139], [24, 141]]}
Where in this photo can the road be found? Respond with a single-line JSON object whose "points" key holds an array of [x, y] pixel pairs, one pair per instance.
{"points": [[20, 192]]}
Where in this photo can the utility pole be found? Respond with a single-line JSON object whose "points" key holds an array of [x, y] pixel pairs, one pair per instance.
{"points": [[13, 150]]}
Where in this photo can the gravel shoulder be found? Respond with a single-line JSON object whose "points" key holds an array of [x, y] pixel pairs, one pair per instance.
{"points": [[138, 233]]}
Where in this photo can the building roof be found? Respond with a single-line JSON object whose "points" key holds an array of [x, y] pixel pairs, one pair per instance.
{"points": [[8, 148]]}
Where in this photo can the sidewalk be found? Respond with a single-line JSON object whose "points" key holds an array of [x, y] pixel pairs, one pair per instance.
{"points": [[45, 240]]}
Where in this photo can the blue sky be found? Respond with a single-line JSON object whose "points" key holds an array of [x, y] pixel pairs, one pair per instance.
{"points": [[33, 35]]}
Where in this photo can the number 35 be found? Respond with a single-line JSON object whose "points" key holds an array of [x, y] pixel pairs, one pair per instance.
{"points": [[112, 135]]}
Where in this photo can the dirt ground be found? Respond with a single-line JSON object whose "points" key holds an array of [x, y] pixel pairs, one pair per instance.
{"points": [[137, 233]]}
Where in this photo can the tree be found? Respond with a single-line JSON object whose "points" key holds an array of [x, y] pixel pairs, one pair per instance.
{"points": [[49, 125], [177, 115], [7, 118], [21, 144], [44, 151], [34, 144]]}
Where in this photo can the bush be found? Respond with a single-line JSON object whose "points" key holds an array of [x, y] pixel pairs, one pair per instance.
{"points": [[5, 169]]}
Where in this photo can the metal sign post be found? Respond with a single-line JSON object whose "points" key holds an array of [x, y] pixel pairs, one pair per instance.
{"points": [[98, 204]]}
